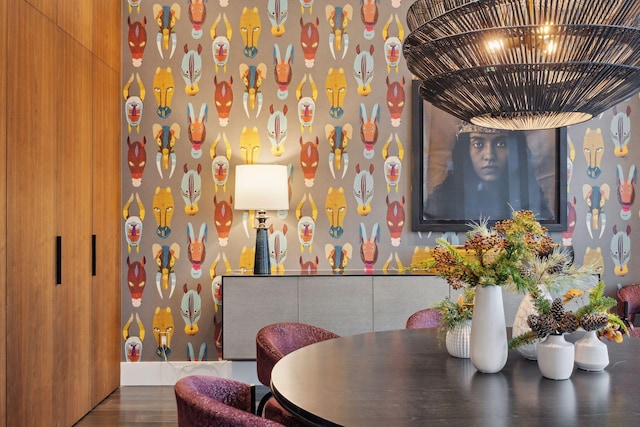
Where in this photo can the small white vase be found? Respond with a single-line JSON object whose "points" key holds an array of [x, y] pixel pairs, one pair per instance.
{"points": [[488, 342], [591, 353], [556, 357], [457, 340]]}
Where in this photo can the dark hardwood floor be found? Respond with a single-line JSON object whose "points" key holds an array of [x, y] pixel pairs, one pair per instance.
{"points": [[140, 406], [135, 406]]}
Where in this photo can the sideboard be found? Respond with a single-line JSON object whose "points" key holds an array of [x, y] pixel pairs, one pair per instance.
{"points": [[346, 304]]}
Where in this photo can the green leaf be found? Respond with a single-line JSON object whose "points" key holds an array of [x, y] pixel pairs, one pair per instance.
{"points": [[523, 339]]}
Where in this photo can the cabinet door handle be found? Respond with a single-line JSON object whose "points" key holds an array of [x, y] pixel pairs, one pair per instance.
{"points": [[93, 255], [58, 260]]}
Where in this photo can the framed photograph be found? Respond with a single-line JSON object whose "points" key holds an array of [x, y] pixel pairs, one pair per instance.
{"points": [[462, 172]]}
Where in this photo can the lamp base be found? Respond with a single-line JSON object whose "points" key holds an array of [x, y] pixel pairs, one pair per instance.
{"points": [[262, 264]]}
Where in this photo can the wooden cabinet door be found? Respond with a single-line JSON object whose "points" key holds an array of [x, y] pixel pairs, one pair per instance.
{"points": [[106, 30], [31, 355], [105, 301], [72, 299], [3, 206]]}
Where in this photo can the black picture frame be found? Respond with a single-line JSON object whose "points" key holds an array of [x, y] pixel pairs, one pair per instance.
{"points": [[542, 165]]}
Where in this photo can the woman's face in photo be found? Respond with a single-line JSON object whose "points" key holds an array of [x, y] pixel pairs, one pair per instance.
{"points": [[489, 153]]}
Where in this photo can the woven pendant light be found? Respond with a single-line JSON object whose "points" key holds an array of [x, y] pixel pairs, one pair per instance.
{"points": [[524, 64]]}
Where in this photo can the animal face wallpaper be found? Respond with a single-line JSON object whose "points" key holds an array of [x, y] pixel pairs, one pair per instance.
{"points": [[322, 88]]}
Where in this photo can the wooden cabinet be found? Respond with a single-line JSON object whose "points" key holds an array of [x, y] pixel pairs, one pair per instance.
{"points": [[62, 189]]}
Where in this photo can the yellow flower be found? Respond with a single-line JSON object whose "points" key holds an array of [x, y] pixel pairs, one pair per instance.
{"points": [[571, 294]]}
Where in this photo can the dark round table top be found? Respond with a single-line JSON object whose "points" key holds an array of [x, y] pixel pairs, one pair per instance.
{"points": [[405, 378]]}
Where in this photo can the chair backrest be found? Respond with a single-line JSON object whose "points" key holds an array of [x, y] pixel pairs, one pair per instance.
{"points": [[213, 401], [427, 318], [631, 295], [275, 341]]}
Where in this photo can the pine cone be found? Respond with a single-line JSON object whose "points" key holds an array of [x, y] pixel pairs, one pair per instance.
{"points": [[525, 272], [557, 309], [534, 323], [569, 323], [602, 320], [594, 321], [555, 268], [556, 262], [547, 324]]}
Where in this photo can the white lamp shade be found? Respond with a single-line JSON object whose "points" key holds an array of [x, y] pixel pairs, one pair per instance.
{"points": [[261, 187]]}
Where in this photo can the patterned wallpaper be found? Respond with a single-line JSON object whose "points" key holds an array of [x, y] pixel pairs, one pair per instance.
{"points": [[318, 86]]}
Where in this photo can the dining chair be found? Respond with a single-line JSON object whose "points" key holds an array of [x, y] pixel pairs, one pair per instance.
{"points": [[207, 401], [628, 306], [275, 341], [426, 318]]}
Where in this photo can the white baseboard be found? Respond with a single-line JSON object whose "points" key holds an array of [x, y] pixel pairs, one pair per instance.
{"points": [[167, 373]]}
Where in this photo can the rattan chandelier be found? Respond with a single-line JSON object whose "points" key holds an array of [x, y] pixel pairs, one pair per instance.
{"points": [[524, 64]]}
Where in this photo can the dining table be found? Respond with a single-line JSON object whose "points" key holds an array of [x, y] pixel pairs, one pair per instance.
{"points": [[406, 378]]}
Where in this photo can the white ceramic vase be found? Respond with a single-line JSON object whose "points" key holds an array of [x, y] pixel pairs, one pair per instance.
{"points": [[520, 325], [556, 357], [457, 340], [591, 354], [488, 342]]}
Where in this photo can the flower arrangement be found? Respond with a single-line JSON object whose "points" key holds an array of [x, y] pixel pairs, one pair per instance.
{"points": [[516, 252], [595, 315], [454, 313], [553, 319]]}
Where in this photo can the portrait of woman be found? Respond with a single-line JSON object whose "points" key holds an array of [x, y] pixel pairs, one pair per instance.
{"points": [[462, 172], [490, 175]]}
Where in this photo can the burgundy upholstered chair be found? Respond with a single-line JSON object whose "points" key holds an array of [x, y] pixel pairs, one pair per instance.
{"points": [[275, 341], [628, 306], [427, 318], [206, 401], [275, 412]]}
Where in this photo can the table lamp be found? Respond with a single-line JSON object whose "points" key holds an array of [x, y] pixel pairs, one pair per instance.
{"points": [[261, 188]]}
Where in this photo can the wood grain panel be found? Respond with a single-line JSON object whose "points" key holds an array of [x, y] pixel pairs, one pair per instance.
{"points": [[76, 19], [72, 398], [31, 124], [3, 204], [107, 29], [105, 313], [48, 8]]}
